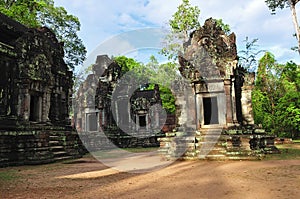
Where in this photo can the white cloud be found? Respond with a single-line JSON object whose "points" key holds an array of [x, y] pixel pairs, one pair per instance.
{"points": [[101, 19]]}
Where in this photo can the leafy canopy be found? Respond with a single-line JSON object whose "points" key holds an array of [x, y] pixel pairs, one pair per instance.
{"points": [[182, 23], [276, 96], [147, 75], [36, 13]]}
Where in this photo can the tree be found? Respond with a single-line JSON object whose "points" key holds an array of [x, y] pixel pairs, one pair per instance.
{"points": [[265, 93], [37, 13], [276, 97], [147, 75], [164, 75], [183, 22], [225, 27], [288, 105], [247, 56], [281, 4]]}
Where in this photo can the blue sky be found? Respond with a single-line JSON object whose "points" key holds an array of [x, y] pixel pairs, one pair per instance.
{"points": [[104, 21]]}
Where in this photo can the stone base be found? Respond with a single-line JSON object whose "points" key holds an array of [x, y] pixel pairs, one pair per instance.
{"points": [[95, 141], [216, 144], [38, 146]]}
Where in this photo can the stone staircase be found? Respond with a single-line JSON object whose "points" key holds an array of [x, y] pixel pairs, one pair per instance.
{"points": [[208, 144], [57, 147]]}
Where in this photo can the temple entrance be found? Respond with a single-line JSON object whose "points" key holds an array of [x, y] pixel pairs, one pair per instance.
{"points": [[92, 123], [210, 107], [35, 109], [142, 121]]}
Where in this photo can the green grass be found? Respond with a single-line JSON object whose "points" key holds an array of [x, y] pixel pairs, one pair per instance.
{"points": [[287, 152], [296, 141], [9, 175]]}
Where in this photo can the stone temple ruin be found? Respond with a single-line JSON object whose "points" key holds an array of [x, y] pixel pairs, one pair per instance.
{"points": [[35, 97], [214, 109], [215, 117], [112, 110]]}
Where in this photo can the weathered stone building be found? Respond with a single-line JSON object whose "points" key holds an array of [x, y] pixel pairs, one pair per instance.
{"points": [[35, 96], [215, 117], [110, 110]]}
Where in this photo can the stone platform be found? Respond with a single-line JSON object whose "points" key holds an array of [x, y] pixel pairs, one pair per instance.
{"points": [[217, 144], [25, 147]]}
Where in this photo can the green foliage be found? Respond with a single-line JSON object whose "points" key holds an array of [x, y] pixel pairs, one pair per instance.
{"points": [[183, 22], [185, 19], [8, 176], [126, 63], [150, 74], [168, 99], [276, 97], [225, 27], [287, 152], [36, 13], [279, 4]]}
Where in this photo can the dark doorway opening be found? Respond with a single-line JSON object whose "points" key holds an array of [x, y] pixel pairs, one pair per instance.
{"points": [[210, 107], [34, 114], [142, 120]]}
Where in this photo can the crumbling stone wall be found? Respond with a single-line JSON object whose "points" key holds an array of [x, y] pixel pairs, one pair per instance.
{"points": [[215, 107], [117, 110], [35, 95]]}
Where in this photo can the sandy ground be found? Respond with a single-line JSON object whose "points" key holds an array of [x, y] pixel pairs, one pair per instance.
{"points": [[88, 178]]}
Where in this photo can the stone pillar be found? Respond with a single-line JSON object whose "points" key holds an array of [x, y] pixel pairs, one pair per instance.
{"points": [[229, 108], [246, 99], [24, 102], [233, 102]]}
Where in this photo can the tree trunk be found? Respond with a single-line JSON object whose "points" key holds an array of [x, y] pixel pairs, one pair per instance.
{"points": [[295, 21]]}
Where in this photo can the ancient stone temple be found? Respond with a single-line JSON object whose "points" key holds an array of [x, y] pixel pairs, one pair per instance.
{"points": [[111, 110], [35, 97], [215, 117]]}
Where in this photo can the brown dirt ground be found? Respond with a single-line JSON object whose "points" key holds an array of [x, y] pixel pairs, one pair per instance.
{"points": [[88, 178]]}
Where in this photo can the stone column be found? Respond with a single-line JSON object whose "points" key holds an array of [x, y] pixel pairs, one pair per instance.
{"points": [[233, 102], [229, 110], [24, 102]]}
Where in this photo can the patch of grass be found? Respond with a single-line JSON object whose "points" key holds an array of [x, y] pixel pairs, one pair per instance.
{"points": [[287, 152], [7, 176], [296, 141]]}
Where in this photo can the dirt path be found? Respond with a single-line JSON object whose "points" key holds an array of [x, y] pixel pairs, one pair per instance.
{"points": [[87, 178]]}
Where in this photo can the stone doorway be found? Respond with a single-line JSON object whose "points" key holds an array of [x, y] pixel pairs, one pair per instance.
{"points": [[210, 109], [92, 122], [142, 121], [35, 108]]}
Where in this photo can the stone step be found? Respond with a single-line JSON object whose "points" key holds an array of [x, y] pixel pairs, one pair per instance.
{"points": [[54, 143], [59, 153], [243, 158], [62, 158], [54, 138], [214, 157], [57, 148]]}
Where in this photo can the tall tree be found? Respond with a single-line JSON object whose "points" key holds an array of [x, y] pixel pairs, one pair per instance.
{"points": [[36, 13], [288, 105], [183, 22], [281, 4], [276, 96], [265, 93]]}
